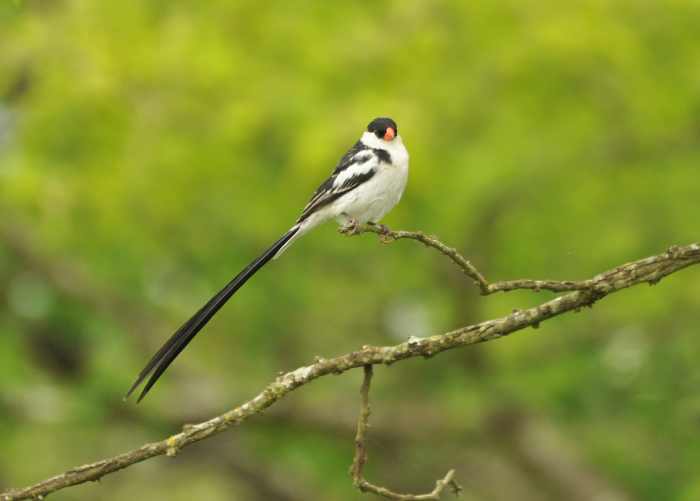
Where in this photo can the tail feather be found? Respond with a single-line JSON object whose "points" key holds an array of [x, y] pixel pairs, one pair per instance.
{"points": [[178, 341], [301, 229]]}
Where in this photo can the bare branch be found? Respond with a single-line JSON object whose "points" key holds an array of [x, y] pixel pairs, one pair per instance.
{"points": [[358, 462], [386, 235], [360, 459], [485, 287], [649, 270]]}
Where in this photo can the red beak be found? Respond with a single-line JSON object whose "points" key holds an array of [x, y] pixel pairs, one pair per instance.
{"points": [[389, 134]]}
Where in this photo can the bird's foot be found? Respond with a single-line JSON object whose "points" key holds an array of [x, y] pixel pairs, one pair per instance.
{"points": [[352, 227], [384, 231]]}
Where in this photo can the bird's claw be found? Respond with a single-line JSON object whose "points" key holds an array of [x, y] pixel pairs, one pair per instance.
{"points": [[384, 229], [351, 228], [384, 232]]}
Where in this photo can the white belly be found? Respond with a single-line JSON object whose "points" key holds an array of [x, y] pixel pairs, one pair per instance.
{"points": [[371, 201]]}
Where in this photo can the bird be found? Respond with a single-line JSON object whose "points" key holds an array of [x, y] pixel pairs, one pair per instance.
{"points": [[367, 183]]}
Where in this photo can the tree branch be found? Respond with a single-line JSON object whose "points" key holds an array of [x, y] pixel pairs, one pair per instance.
{"points": [[649, 270], [388, 236], [360, 459], [485, 287]]}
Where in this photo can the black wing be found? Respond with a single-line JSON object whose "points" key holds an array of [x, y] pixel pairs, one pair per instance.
{"points": [[356, 167]]}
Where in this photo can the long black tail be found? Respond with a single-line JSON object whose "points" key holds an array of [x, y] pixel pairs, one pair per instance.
{"points": [[177, 342]]}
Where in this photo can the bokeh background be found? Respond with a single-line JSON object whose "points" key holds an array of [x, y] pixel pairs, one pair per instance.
{"points": [[150, 149]]}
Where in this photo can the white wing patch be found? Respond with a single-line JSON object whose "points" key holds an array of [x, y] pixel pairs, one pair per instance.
{"points": [[361, 164], [356, 171]]}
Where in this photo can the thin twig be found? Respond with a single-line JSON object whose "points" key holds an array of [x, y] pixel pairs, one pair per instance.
{"points": [[360, 459], [358, 462], [386, 235], [649, 270], [485, 287]]}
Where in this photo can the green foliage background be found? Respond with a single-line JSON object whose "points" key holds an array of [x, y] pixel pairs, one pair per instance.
{"points": [[150, 149]]}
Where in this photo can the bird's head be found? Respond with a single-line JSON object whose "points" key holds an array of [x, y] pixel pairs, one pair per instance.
{"points": [[384, 128]]}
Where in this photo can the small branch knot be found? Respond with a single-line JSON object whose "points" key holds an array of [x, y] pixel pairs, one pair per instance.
{"points": [[674, 252], [172, 446]]}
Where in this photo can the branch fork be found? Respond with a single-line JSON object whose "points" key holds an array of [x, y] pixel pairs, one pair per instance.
{"points": [[360, 459]]}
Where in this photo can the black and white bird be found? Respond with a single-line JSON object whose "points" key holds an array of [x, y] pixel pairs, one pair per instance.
{"points": [[366, 184]]}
